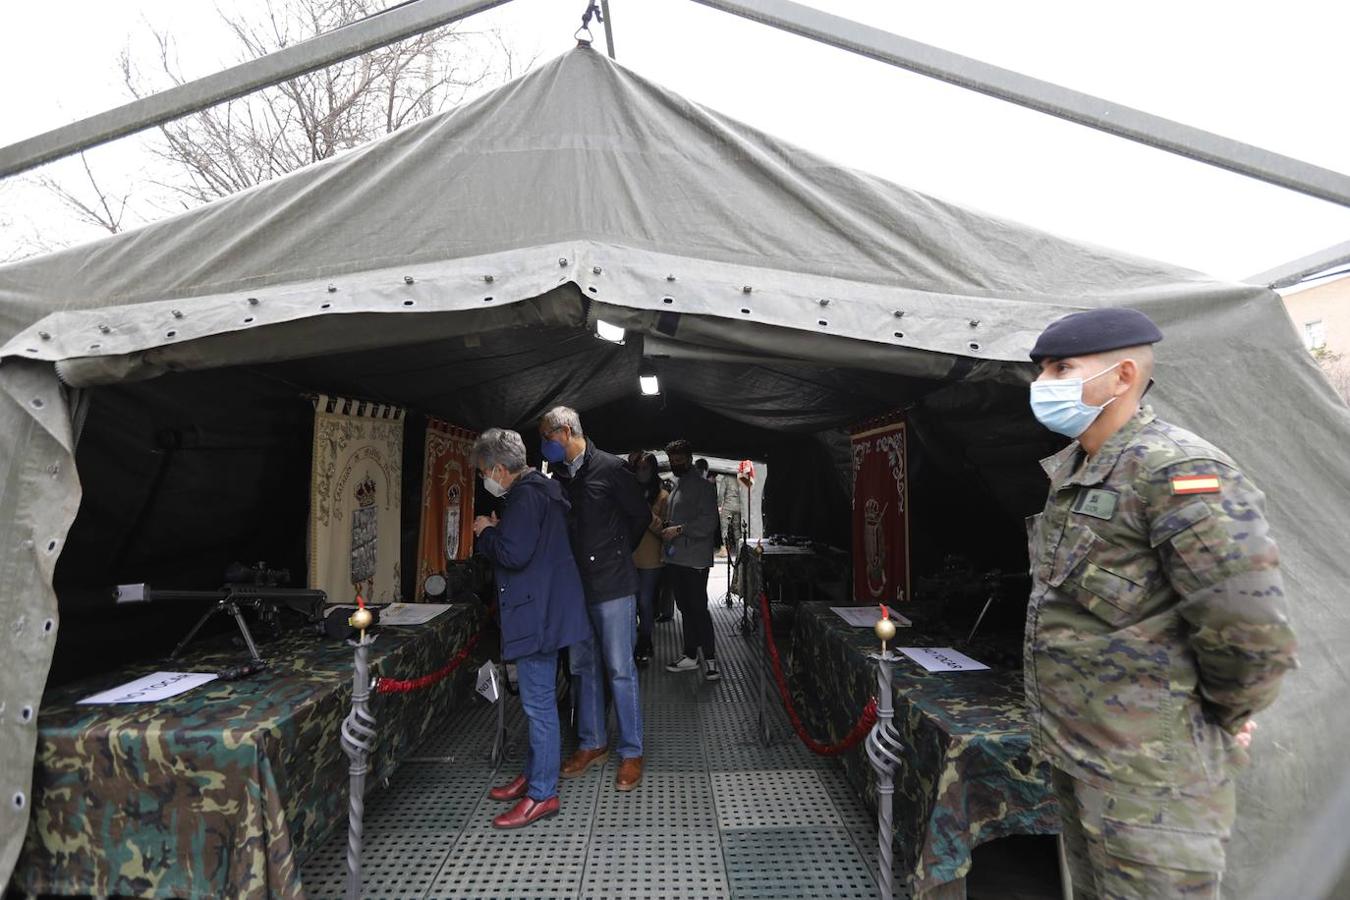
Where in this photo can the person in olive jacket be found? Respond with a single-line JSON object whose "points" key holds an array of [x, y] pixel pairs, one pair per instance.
{"points": [[540, 604], [609, 518]]}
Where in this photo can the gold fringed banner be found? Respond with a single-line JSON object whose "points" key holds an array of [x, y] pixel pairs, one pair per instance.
{"points": [[881, 511], [355, 497], [447, 499]]}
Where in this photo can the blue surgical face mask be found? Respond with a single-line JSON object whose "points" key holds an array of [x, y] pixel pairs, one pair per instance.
{"points": [[553, 451], [1059, 406]]}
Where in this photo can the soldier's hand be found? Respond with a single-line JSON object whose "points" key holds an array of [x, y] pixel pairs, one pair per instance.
{"points": [[1244, 737]]}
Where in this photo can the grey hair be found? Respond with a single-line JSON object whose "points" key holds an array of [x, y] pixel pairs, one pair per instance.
{"points": [[499, 447], [562, 417]]}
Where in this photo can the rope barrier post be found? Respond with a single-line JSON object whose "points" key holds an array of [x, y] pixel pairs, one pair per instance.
{"points": [[883, 751], [499, 739], [728, 598], [358, 731], [765, 624]]}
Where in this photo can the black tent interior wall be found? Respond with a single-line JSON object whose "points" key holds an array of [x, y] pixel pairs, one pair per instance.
{"points": [[189, 471]]}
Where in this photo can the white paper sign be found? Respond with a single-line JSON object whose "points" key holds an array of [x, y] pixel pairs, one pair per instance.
{"points": [[487, 681], [159, 686], [411, 613], [866, 616], [942, 659]]}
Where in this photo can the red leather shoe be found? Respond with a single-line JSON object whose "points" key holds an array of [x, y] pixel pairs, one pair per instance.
{"points": [[527, 811], [512, 790]]}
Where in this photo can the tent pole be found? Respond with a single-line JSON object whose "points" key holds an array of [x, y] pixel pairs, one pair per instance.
{"points": [[609, 30], [1302, 269], [1084, 109], [317, 52]]}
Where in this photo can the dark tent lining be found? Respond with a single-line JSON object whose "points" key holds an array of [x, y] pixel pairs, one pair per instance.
{"points": [[186, 472]]}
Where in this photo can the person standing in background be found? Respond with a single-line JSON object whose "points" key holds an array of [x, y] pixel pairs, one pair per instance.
{"points": [[647, 557], [729, 503], [688, 541]]}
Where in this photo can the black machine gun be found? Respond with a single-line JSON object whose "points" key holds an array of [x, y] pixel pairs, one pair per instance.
{"points": [[253, 587]]}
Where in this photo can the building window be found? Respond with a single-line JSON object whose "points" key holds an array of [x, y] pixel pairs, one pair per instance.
{"points": [[1314, 334]]}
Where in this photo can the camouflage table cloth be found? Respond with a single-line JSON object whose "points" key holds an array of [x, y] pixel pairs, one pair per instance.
{"points": [[967, 776], [224, 790]]}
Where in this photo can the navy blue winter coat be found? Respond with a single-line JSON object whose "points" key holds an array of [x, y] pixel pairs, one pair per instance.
{"points": [[540, 601]]}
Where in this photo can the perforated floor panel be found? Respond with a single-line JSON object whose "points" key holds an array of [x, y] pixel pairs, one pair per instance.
{"points": [[717, 814], [807, 863]]}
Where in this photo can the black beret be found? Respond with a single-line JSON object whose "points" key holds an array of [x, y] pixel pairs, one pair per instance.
{"points": [[1095, 331]]}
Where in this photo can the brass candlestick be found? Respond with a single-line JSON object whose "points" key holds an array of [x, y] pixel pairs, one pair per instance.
{"points": [[884, 628]]}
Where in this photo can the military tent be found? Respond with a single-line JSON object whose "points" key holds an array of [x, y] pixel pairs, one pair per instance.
{"points": [[457, 267]]}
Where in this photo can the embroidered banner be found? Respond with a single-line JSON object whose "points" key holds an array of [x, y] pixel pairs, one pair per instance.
{"points": [[880, 513], [355, 497], [447, 499]]}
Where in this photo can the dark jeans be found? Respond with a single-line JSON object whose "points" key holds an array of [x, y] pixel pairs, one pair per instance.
{"points": [[665, 594], [649, 582], [691, 595]]}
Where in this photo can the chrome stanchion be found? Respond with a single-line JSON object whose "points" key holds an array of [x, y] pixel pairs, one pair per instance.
{"points": [[358, 732], [883, 751]]}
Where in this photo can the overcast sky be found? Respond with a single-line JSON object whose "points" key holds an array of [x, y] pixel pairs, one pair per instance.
{"points": [[1267, 74]]}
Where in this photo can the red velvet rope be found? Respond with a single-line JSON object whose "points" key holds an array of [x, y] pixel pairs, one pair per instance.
{"points": [[400, 686], [859, 731]]}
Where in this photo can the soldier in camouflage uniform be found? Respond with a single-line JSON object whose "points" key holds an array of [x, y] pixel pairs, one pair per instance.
{"points": [[1156, 626]]}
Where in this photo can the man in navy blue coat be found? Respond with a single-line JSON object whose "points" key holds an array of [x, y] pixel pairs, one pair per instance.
{"points": [[609, 517], [540, 603]]}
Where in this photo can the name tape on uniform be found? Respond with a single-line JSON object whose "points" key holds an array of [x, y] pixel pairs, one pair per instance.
{"points": [[1195, 484], [1098, 503]]}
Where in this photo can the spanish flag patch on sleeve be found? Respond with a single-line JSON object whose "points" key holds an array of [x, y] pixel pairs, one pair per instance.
{"points": [[1195, 484]]}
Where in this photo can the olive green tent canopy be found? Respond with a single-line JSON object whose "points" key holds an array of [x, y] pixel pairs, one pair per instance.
{"points": [[774, 290]]}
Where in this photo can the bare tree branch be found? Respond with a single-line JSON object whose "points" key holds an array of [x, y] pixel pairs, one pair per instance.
{"points": [[277, 130], [98, 211]]}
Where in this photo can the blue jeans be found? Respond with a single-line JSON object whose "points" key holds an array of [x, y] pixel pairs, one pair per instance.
{"points": [[609, 650], [537, 675], [649, 581]]}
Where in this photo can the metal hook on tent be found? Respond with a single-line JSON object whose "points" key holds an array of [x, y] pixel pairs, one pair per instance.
{"points": [[592, 11]]}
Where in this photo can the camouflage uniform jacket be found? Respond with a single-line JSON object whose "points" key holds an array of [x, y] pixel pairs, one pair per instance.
{"points": [[1156, 624]]}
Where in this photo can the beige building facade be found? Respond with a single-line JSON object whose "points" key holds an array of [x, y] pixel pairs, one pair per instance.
{"points": [[1321, 315]]}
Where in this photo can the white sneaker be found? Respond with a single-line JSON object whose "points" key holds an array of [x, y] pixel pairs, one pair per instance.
{"points": [[710, 672], [683, 664]]}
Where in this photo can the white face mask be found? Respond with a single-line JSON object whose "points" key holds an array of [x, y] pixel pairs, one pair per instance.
{"points": [[1059, 406], [494, 487]]}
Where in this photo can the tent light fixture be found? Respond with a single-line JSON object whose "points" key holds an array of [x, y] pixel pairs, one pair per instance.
{"points": [[647, 380], [607, 331]]}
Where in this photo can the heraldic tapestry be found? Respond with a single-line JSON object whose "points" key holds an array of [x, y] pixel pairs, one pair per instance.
{"points": [[355, 497], [447, 499], [880, 513]]}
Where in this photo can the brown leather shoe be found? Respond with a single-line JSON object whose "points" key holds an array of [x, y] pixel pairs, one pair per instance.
{"points": [[630, 773], [512, 790], [582, 760], [525, 812]]}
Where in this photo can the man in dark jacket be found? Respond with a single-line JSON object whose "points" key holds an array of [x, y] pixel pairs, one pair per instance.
{"points": [[540, 603], [609, 517]]}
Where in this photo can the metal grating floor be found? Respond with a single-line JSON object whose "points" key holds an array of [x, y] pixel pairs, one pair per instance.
{"points": [[716, 815]]}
